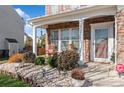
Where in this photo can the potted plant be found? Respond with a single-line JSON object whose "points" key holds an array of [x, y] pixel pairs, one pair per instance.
{"points": [[78, 78]]}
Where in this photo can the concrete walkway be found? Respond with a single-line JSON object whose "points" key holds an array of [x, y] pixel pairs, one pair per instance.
{"points": [[100, 75]]}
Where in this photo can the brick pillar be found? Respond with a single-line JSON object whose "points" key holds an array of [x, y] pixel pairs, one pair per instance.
{"points": [[120, 34], [47, 39]]}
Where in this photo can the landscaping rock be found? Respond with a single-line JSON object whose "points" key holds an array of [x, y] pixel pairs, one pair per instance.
{"points": [[9, 67], [36, 75], [44, 76]]}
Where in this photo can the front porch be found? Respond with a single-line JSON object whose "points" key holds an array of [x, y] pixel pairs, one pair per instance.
{"points": [[62, 30]]}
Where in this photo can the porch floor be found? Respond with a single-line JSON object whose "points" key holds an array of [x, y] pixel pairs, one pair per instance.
{"points": [[103, 75]]}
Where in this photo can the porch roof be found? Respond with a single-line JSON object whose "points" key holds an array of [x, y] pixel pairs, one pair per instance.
{"points": [[82, 13]]}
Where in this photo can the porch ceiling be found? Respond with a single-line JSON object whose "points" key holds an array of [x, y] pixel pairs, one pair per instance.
{"points": [[83, 13]]}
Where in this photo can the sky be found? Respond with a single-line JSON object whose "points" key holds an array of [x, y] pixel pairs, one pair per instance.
{"points": [[30, 11]]}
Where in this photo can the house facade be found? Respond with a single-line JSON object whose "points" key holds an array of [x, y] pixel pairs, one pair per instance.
{"points": [[11, 31], [97, 31]]}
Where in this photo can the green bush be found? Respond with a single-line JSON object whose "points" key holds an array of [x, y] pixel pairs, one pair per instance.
{"points": [[40, 61], [67, 60], [29, 57], [113, 57], [52, 60]]}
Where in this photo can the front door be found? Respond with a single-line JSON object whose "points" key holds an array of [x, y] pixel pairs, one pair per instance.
{"points": [[102, 42]]}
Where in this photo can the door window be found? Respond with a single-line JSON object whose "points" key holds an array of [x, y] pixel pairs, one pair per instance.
{"points": [[101, 43]]}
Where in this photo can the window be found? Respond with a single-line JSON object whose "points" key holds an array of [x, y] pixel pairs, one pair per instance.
{"points": [[75, 37], [54, 38], [62, 38]]}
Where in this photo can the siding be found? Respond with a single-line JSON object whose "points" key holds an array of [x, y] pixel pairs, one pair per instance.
{"points": [[11, 26]]}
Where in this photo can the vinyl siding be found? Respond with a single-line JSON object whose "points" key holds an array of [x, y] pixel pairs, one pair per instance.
{"points": [[11, 26]]}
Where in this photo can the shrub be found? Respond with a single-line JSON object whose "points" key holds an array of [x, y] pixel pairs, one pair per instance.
{"points": [[52, 60], [1, 53], [113, 57], [67, 60], [40, 61], [29, 57], [16, 58], [77, 74]]}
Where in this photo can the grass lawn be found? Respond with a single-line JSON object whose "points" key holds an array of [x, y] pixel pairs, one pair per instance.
{"points": [[8, 81], [3, 60]]}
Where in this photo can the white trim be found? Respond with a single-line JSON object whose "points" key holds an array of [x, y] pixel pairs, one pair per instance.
{"points": [[59, 41], [81, 39], [33, 19], [75, 15], [34, 40], [110, 40], [115, 40]]}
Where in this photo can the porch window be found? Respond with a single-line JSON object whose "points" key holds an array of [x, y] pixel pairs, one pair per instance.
{"points": [[75, 37], [62, 37], [54, 38]]}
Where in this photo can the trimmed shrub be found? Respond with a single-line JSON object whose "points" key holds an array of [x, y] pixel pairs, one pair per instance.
{"points": [[16, 58], [52, 60], [29, 57], [78, 74], [40, 61], [67, 60]]}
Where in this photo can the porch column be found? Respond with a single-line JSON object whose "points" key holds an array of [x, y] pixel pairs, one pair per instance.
{"points": [[34, 40], [81, 31], [115, 39]]}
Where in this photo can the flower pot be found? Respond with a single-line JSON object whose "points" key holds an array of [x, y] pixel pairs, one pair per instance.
{"points": [[77, 83]]}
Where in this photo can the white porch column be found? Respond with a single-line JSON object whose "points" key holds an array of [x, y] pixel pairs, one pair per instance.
{"points": [[59, 42], [34, 40], [115, 39], [81, 37]]}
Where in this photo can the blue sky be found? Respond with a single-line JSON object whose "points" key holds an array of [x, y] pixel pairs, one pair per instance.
{"points": [[30, 11]]}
